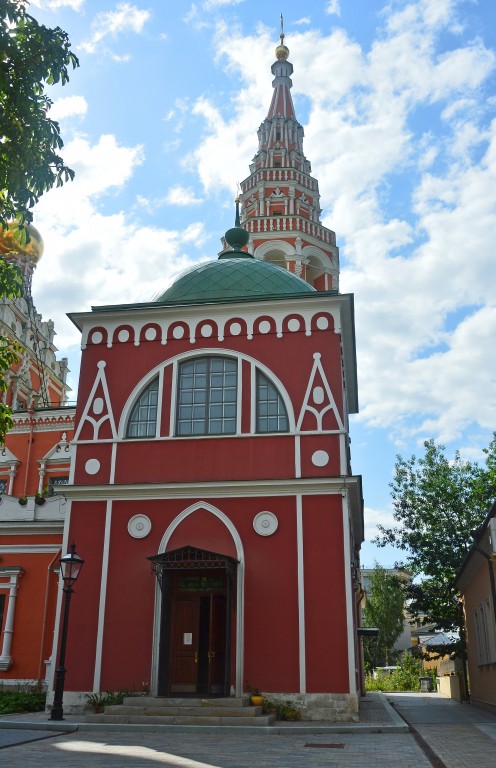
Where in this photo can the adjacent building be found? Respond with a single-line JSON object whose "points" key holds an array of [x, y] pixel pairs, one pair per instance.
{"points": [[476, 581]]}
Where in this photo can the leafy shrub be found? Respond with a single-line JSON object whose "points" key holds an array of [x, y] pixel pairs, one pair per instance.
{"points": [[405, 678], [22, 698], [282, 711]]}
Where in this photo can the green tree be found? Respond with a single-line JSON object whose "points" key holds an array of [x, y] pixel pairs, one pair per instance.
{"points": [[438, 501], [384, 609], [31, 57]]}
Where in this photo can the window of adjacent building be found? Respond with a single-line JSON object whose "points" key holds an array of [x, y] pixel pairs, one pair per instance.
{"points": [[271, 411], [485, 630], [143, 419], [3, 487], [56, 482], [207, 396]]}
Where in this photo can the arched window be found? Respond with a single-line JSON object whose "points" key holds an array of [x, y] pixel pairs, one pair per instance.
{"points": [[207, 396], [271, 411], [143, 419]]}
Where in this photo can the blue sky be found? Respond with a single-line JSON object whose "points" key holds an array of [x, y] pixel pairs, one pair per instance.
{"points": [[398, 102]]}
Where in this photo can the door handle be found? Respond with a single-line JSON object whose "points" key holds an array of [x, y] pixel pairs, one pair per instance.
{"points": [[196, 657]]}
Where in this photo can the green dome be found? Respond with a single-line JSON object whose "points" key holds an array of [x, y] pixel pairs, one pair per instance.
{"points": [[233, 278]]}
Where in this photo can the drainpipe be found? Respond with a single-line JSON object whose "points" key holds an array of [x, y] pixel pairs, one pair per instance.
{"points": [[45, 611]]}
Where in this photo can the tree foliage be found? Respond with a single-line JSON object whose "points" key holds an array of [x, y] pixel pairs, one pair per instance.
{"points": [[383, 609], [437, 503], [31, 57], [10, 287]]}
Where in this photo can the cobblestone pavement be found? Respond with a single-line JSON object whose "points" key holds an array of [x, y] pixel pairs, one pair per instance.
{"points": [[152, 750], [461, 735]]}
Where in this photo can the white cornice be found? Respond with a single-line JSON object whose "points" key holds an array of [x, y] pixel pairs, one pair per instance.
{"points": [[31, 528], [285, 487]]}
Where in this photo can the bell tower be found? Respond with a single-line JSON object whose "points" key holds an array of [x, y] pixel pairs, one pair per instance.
{"points": [[280, 198]]}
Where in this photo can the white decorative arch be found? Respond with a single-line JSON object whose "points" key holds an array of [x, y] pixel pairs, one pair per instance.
{"points": [[172, 361], [240, 589], [266, 248], [315, 254]]}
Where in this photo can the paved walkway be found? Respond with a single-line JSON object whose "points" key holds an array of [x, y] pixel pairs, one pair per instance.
{"points": [[459, 735]]}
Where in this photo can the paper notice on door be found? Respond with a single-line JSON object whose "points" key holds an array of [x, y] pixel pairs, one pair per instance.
{"points": [[188, 638]]}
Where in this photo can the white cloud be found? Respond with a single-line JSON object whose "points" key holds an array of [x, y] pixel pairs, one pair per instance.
{"points": [[179, 195], [69, 106], [55, 5], [210, 4], [333, 7], [125, 18]]}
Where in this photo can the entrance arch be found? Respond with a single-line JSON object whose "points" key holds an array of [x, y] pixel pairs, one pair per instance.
{"points": [[207, 605]]}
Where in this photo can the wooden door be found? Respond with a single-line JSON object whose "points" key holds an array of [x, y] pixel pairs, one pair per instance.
{"points": [[197, 640], [217, 644], [183, 667]]}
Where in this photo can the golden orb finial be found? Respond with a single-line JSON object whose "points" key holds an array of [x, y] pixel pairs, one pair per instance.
{"points": [[10, 244], [282, 51]]}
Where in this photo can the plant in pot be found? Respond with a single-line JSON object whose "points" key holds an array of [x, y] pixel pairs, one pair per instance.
{"points": [[256, 697]]}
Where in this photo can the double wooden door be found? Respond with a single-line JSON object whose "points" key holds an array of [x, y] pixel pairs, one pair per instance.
{"points": [[197, 650]]}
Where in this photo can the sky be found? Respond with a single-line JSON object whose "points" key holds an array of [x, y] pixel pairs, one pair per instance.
{"points": [[398, 104]]}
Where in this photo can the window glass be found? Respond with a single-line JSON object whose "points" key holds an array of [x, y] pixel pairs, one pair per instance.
{"points": [[207, 396], [271, 411], [143, 419], [56, 482]]}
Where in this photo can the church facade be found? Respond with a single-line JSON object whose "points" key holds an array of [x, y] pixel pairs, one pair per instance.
{"points": [[211, 492]]}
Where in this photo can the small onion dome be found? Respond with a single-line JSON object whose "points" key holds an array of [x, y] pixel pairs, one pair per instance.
{"points": [[10, 245], [282, 52]]}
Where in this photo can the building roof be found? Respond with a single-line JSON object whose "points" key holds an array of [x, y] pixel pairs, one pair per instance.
{"points": [[233, 278]]}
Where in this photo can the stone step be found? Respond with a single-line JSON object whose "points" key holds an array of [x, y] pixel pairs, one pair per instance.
{"points": [[162, 711], [179, 720], [186, 701]]}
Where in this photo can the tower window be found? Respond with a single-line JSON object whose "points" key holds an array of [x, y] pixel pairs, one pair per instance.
{"points": [[277, 163], [271, 411], [143, 419], [207, 396]]}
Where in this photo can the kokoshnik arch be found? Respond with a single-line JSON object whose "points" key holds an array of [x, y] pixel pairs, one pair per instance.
{"points": [[211, 489]]}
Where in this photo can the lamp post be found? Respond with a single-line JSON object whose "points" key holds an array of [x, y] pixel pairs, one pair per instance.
{"points": [[70, 566]]}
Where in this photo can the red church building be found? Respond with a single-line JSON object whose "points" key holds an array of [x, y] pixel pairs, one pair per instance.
{"points": [[211, 492]]}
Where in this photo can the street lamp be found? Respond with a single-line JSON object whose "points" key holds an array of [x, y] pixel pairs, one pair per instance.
{"points": [[70, 566]]}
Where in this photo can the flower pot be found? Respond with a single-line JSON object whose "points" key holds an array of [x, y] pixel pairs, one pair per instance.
{"points": [[257, 700]]}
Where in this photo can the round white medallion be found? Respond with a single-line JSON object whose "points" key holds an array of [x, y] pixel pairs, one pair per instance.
{"points": [[293, 324], [206, 331], [178, 332], [320, 458], [97, 337], [235, 329], [123, 335], [322, 323], [151, 334], [92, 466], [265, 523], [139, 526], [264, 326], [318, 395], [98, 405]]}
